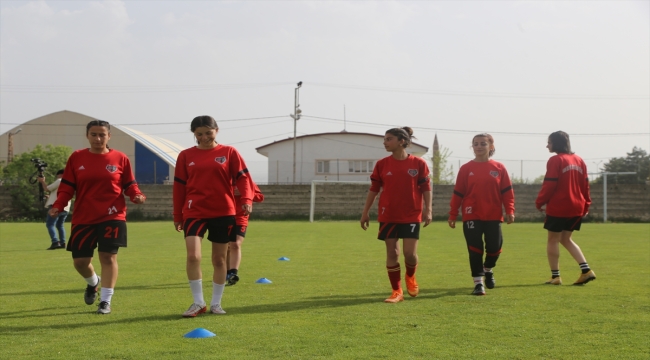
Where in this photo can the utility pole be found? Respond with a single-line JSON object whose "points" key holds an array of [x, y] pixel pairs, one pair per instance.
{"points": [[10, 145], [296, 117]]}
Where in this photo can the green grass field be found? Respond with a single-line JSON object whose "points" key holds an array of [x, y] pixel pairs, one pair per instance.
{"points": [[327, 301]]}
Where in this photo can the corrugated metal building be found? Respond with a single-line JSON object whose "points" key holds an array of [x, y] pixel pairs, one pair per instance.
{"points": [[153, 158]]}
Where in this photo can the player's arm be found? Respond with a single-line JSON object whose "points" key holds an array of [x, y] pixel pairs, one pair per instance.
{"points": [[66, 189], [365, 215], [424, 186], [457, 197], [240, 171], [180, 183], [586, 191], [129, 185], [428, 211], [550, 183], [507, 196]]}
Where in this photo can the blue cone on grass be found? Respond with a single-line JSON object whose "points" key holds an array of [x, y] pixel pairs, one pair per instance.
{"points": [[199, 333], [284, 258], [263, 281]]}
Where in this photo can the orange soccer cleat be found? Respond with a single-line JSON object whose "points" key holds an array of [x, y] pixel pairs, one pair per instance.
{"points": [[412, 286], [395, 297]]}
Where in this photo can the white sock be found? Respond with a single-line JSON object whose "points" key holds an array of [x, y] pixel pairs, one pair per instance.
{"points": [[197, 291], [217, 293], [106, 294], [93, 280], [478, 280]]}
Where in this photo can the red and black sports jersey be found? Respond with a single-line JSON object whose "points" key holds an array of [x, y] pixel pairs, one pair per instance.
{"points": [[97, 181], [565, 190], [482, 190], [203, 183], [241, 218], [402, 183]]}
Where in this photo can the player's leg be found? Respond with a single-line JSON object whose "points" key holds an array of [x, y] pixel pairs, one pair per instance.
{"points": [[473, 231], [234, 254], [394, 270], [493, 245], [587, 274], [49, 225], [82, 244], [60, 222], [220, 233], [108, 262], [411, 262]]}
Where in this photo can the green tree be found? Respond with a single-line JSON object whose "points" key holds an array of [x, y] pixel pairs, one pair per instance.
{"points": [[636, 161], [19, 176], [441, 172]]}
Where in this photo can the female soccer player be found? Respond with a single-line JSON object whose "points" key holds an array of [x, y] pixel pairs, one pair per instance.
{"points": [[482, 188], [98, 177], [237, 236], [404, 179], [565, 193], [204, 200]]}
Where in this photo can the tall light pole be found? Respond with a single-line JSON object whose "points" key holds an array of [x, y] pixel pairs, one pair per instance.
{"points": [[10, 145], [296, 117]]}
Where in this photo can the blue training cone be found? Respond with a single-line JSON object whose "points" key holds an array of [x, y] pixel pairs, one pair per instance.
{"points": [[263, 281], [284, 258], [199, 333]]}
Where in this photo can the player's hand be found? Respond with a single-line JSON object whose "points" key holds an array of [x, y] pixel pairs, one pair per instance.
{"points": [[510, 218], [452, 223], [54, 212], [541, 209], [178, 226], [365, 221], [427, 218], [139, 199], [248, 208]]}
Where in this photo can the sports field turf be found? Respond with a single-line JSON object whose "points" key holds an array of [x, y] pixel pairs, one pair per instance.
{"points": [[326, 302]]}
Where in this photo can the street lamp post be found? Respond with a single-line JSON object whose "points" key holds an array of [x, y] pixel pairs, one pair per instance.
{"points": [[296, 117], [10, 145]]}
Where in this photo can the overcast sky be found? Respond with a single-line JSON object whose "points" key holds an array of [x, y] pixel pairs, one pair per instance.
{"points": [[517, 69]]}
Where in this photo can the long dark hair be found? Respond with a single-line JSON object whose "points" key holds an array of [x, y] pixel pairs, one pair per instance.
{"points": [[490, 141], [404, 133], [560, 142]]}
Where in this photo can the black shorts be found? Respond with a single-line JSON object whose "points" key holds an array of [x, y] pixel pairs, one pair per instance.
{"points": [[559, 224], [107, 237], [219, 229], [240, 230], [398, 231]]}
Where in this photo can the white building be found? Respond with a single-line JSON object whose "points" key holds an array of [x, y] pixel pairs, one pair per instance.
{"points": [[344, 156]]}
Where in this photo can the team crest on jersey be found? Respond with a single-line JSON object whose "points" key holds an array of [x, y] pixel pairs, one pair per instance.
{"points": [[495, 174], [220, 159], [111, 168], [413, 172]]}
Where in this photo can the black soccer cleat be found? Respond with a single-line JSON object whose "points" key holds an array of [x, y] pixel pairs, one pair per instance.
{"points": [[479, 290], [232, 279], [104, 308], [489, 280], [90, 295]]}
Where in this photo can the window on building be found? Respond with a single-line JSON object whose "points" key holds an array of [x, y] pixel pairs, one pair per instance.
{"points": [[360, 166], [323, 166]]}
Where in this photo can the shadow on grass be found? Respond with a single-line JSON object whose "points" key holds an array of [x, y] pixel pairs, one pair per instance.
{"points": [[12, 330], [79, 291]]}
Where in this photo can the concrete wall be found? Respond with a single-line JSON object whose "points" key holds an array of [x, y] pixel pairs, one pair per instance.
{"points": [[625, 202]]}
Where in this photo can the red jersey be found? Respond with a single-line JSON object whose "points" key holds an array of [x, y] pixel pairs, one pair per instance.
{"points": [[241, 218], [481, 189], [565, 190], [203, 183], [403, 182], [99, 181]]}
